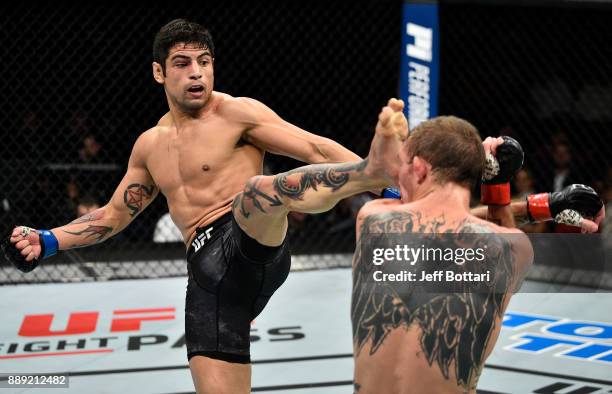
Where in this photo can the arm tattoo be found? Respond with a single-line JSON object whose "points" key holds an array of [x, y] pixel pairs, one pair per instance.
{"points": [[83, 219], [76, 246], [333, 176], [136, 195], [90, 217], [455, 327], [98, 233]]}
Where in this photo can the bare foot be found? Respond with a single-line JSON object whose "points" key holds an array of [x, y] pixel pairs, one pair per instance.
{"points": [[391, 131]]}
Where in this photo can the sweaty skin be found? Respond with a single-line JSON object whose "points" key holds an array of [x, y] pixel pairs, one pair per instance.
{"points": [[200, 156], [199, 167], [205, 163], [418, 336], [422, 342]]}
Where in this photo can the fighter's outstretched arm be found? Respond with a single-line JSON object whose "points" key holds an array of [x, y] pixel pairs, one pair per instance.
{"points": [[270, 132], [135, 192], [517, 208], [571, 206], [580, 199]]}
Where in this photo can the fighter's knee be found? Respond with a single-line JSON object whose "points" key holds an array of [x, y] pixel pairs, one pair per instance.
{"points": [[259, 196], [261, 186], [258, 182]]}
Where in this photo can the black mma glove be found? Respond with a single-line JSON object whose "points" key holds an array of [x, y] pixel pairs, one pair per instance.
{"points": [[499, 169], [567, 206], [48, 247]]}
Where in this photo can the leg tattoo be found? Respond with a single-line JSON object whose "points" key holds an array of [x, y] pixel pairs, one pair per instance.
{"points": [[295, 183]]}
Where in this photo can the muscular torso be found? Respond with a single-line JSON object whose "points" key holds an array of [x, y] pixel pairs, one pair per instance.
{"points": [[201, 167], [412, 341]]}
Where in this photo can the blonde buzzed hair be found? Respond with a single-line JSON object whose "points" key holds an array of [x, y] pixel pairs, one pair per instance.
{"points": [[453, 148]]}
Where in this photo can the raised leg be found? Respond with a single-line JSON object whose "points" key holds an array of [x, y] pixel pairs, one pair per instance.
{"points": [[261, 209]]}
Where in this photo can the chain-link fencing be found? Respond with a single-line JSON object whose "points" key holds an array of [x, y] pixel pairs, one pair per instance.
{"points": [[539, 73], [77, 92]]}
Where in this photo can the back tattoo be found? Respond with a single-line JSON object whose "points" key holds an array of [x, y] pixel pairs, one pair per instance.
{"points": [[456, 324]]}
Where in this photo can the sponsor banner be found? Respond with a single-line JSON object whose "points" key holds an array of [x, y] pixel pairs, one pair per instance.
{"points": [[553, 343], [420, 59], [130, 335], [123, 324], [578, 340]]}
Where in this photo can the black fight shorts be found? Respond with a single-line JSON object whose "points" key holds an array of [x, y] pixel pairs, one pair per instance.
{"points": [[231, 279]]}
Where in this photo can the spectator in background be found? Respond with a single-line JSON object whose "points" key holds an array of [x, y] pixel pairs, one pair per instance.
{"points": [[558, 168], [89, 153], [562, 158], [78, 126], [524, 185], [563, 174], [87, 204], [71, 199], [89, 176], [72, 192]]}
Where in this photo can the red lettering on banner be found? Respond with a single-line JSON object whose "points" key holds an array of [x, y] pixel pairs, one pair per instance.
{"points": [[40, 325], [147, 310], [133, 323]]}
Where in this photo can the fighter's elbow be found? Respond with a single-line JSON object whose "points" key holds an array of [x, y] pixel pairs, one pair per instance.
{"points": [[115, 219], [318, 153], [324, 150]]}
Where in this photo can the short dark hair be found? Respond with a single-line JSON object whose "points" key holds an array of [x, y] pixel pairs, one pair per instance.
{"points": [[88, 201], [180, 31], [453, 148]]}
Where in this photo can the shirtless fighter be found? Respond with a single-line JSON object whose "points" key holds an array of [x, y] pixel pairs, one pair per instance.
{"points": [[206, 157], [423, 338]]}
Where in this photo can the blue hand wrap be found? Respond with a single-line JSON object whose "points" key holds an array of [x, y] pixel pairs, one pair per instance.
{"points": [[391, 192], [49, 243]]}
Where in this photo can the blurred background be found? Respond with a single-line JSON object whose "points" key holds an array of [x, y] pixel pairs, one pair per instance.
{"points": [[77, 91]]}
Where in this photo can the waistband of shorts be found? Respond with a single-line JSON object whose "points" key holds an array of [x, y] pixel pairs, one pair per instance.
{"points": [[222, 220], [207, 232]]}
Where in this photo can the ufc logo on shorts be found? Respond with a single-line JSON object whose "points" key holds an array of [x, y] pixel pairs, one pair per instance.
{"points": [[201, 239]]}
